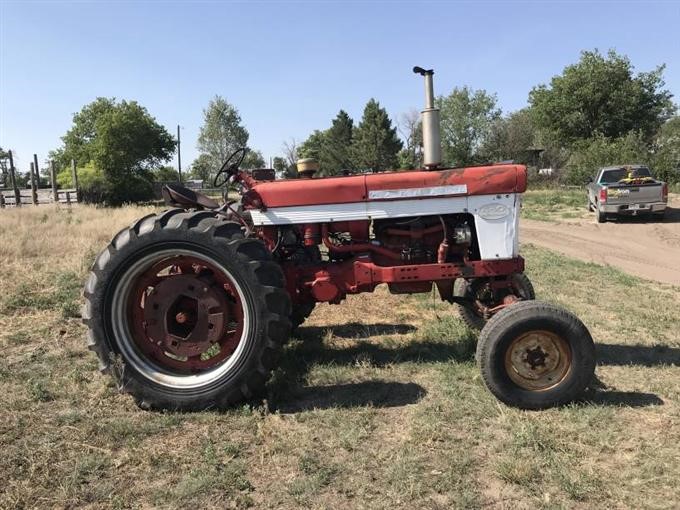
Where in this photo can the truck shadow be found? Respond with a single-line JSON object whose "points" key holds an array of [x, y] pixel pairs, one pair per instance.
{"points": [[289, 392], [672, 216]]}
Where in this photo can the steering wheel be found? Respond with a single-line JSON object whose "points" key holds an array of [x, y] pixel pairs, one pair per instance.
{"points": [[228, 167]]}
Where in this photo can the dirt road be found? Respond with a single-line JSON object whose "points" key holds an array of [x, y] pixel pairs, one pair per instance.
{"points": [[646, 248]]}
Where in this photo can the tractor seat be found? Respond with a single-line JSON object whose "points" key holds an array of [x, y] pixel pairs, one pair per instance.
{"points": [[178, 195]]}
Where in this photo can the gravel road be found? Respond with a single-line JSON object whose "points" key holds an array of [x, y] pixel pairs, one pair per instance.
{"points": [[643, 247]]}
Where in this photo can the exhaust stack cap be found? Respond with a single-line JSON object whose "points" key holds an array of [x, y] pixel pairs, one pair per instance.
{"points": [[432, 145]]}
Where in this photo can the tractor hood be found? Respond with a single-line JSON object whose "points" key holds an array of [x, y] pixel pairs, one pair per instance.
{"points": [[483, 180]]}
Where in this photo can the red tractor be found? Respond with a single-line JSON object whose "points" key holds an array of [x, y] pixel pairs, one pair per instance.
{"points": [[189, 309]]}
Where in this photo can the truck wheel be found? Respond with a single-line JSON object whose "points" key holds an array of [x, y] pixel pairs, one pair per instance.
{"points": [[590, 206], [535, 355], [185, 313], [473, 287], [601, 217]]}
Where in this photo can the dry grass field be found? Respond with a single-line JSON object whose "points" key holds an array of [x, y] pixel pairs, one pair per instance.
{"points": [[377, 403]]}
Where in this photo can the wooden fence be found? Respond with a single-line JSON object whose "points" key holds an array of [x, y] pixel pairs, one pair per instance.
{"points": [[15, 197], [43, 196]]}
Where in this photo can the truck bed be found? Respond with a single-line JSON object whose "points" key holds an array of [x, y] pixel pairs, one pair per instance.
{"points": [[632, 195]]}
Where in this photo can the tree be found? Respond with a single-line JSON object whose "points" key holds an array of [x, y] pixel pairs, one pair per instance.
{"points": [[314, 147], [466, 119], [165, 174], [221, 133], [510, 138], [290, 152], [332, 147], [589, 155], [202, 169], [601, 95], [338, 146], [411, 129], [78, 141], [375, 143], [280, 167], [122, 142], [666, 151], [253, 159], [4, 167]]}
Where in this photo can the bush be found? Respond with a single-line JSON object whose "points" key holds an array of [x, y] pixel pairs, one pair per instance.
{"points": [[666, 159], [589, 155], [95, 188]]}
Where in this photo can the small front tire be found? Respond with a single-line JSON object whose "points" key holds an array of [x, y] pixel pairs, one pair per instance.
{"points": [[468, 288], [535, 355]]}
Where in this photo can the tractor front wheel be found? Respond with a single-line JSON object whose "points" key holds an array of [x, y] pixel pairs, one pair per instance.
{"points": [[535, 355], [477, 291], [185, 313]]}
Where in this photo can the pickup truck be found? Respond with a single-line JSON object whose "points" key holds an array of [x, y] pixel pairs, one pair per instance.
{"points": [[626, 190]]}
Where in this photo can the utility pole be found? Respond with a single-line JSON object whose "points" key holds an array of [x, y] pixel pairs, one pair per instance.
{"points": [[179, 155]]}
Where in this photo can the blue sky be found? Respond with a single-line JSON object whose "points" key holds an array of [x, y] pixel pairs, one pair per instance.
{"points": [[290, 66]]}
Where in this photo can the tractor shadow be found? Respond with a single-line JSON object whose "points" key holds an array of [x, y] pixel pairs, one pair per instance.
{"points": [[289, 393], [627, 355], [642, 355], [368, 393]]}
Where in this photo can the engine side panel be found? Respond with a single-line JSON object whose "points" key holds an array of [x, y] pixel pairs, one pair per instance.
{"points": [[496, 216], [497, 224]]}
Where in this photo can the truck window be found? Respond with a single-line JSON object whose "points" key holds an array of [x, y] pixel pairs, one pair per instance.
{"points": [[615, 175]]}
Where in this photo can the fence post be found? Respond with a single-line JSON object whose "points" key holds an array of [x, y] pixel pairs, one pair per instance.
{"points": [[37, 171], [12, 176], [74, 178], [34, 192], [68, 197], [53, 179], [2, 200]]}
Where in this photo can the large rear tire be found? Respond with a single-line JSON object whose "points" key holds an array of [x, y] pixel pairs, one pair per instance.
{"points": [[185, 313], [469, 289], [535, 355]]}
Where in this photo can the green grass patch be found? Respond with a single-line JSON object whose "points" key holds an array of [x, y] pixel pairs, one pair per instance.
{"points": [[554, 204], [60, 292]]}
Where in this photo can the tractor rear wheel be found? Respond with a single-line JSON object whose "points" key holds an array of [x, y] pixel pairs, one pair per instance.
{"points": [[535, 355], [474, 289], [185, 313]]}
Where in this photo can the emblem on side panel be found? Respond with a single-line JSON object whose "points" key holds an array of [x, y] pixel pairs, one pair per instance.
{"points": [[493, 211]]}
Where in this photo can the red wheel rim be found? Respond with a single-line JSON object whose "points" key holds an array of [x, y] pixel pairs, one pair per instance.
{"points": [[185, 314]]}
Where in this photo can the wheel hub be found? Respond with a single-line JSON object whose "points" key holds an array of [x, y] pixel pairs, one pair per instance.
{"points": [[538, 360], [186, 314]]}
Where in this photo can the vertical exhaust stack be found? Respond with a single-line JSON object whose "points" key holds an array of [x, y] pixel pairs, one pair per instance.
{"points": [[432, 139]]}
